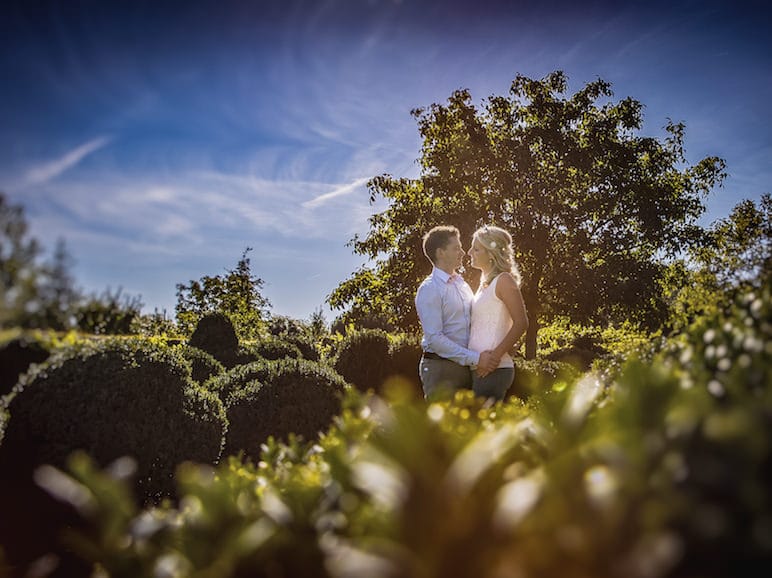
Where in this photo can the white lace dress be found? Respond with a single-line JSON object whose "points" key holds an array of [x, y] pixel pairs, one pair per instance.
{"points": [[491, 321]]}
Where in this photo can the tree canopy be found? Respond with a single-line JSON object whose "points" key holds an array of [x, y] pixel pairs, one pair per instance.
{"points": [[593, 206]]}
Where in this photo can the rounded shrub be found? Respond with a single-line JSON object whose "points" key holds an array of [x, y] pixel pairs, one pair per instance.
{"points": [[305, 344], [237, 378], [276, 398], [405, 355], [16, 356], [114, 398], [363, 359], [216, 335], [203, 365], [272, 348]]}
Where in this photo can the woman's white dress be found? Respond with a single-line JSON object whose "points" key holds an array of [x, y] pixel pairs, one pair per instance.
{"points": [[491, 321]]}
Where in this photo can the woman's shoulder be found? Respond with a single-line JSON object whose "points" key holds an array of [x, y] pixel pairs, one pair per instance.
{"points": [[506, 281]]}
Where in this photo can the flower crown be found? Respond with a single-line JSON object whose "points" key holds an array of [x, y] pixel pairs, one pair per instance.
{"points": [[492, 244]]}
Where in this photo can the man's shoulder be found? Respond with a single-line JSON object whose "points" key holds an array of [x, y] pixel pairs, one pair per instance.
{"points": [[428, 284], [428, 279]]}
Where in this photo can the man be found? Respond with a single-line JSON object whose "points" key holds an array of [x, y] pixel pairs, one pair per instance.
{"points": [[444, 305]]}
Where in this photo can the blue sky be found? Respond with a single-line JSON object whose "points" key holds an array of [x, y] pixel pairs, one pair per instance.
{"points": [[159, 139]]}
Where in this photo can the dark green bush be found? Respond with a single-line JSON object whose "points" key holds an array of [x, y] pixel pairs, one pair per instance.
{"points": [[215, 334], [579, 357], [294, 332], [203, 365], [363, 359], [16, 356], [276, 398], [114, 398], [271, 348], [108, 313], [578, 349], [305, 344], [539, 375], [236, 379], [405, 355]]}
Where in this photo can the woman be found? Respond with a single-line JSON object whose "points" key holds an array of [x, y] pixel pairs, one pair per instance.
{"points": [[499, 318]]}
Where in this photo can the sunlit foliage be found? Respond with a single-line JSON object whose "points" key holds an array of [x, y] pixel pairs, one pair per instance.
{"points": [[591, 204], [661, 471]]}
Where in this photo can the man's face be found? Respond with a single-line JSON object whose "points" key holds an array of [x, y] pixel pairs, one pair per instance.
{"points": [[452, 255]]}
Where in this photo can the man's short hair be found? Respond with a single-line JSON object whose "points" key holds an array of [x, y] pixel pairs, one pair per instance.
{"points": [[438, 238]]}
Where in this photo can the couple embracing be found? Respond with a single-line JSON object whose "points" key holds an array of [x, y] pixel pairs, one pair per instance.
{"points": [[467, 335]]}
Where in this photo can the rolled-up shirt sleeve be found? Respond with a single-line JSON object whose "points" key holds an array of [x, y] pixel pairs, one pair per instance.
{"points": [[428, 302]]}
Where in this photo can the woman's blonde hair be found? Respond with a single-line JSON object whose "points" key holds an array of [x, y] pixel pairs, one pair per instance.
{"points": [[498, 243]]}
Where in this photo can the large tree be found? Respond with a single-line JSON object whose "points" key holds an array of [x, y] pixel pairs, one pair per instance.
{"points": [[593, 207]]}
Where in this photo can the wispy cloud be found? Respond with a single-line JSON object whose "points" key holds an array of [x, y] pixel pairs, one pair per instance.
{"points": [[188, 209], [46, 172], [337, 192]]}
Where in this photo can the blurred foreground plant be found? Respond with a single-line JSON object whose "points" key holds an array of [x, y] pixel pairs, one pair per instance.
{"points": [[663, 471]]}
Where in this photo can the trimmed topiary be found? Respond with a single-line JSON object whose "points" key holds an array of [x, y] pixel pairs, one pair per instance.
{"points": [[16, 356], [272, 348], [203, 365], [363, 359], [276, 398], [216, 335], [114, 398], [405, 354], [236, 379], [305, 344]]}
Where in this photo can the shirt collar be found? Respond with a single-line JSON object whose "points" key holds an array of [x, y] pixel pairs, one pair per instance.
{"points": [[443, 276]]}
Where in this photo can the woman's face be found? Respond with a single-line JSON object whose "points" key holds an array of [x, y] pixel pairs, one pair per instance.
{"points": [[479, 255]]}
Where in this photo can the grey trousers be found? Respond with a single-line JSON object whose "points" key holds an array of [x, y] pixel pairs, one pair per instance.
{"points": [[443, 377], [494, 384]]}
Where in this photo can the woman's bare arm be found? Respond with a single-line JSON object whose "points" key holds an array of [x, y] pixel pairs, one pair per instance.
{"points": [[508, 291]]}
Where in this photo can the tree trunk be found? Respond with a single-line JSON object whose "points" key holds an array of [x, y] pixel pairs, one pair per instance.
{"points": [[530, 297], [530, 337]]}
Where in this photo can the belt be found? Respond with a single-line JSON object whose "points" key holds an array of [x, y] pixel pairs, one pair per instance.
{"points": [[430, 355]]}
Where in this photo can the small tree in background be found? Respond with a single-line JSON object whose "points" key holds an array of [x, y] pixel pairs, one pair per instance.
{"points": [[19, 271], [33, 294], [736, 257], [58, 296], [317, 324], [235, 294], [109, 313]]}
